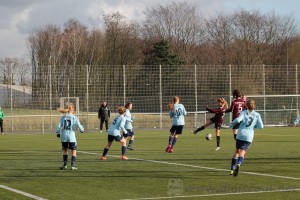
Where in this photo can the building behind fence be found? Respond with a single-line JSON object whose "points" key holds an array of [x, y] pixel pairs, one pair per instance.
{"points": [[149, 88]]}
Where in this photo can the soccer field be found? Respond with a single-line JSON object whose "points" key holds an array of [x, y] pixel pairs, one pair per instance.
{"points": [[29, 167]]}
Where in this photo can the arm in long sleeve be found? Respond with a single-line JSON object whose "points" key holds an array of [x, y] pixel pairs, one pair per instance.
{"points": [[77, 123], [237, 120], [259, 123], [214, 110], [230, 109], [99, 113], [122, 125]]}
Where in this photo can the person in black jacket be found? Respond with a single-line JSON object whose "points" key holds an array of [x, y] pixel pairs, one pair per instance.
{"points": [[103, 115]]}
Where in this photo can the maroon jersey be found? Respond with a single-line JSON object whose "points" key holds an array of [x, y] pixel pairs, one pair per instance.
{"points": [[237, 106], [219, 114]]}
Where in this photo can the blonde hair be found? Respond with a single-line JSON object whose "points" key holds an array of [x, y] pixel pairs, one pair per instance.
{"points": [[251, 104], [121, 110], [69, 108], [171, 104], [223, 102]]}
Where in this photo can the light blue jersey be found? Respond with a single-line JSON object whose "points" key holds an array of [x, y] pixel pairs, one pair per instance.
{"points": [[128, 124], [67, 123], [177, 114], [249, 121], [117, 125], [297, 120]]}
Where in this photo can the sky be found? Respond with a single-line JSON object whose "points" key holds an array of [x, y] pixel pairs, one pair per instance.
{"points": [[19, 18]]}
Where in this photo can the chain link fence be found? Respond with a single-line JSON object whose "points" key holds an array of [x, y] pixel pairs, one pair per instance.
{"points": [[149, 88]]}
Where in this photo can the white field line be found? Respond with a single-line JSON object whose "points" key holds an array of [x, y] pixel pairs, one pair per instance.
{"points": [[220, 194], [21, 192], [199, 167]]}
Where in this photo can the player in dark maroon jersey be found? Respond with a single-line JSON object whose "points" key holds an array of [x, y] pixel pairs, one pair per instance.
{"points": [[237, 106], [217, 119]]}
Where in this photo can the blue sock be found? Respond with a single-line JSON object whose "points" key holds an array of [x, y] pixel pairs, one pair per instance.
{"points": [[130, 143], [123, 150], [105, 151], [65, 159], [171, 138], [73, 159], [240, 160], [233, 163], [174, 142]]}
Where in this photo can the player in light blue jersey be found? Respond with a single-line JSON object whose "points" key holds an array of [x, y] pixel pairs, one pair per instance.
{"points": [[177, 113], [296, 121], [68, 140], [114, 133], [248, 119], [128, 126]]}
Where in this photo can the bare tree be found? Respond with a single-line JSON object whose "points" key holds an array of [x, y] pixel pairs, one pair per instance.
{"points": [[220, 36], [122, 41], [23, 72], [177, 22], [8, 67]]}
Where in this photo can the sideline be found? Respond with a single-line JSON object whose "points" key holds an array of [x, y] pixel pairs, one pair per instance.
{"points": [[21, 192]]}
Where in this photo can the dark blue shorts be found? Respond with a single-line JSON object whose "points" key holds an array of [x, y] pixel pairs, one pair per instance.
{"points": [[177, 129], [69, 145], [130, 132], [240, 144], [111, 138]]}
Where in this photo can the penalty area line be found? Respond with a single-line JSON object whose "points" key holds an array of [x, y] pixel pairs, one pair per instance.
{"points": [[218, 194], [21, 192], [199, 167]]}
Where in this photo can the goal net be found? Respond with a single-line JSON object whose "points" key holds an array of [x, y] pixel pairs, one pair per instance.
{"points": [[275, 110], [73, 100]]}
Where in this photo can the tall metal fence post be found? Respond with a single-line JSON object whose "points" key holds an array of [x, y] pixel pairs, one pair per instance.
{"points": [[196, 96], [87, 95], [11, 98], [297, 102], [50, 98], [160, 97], [264, 93], [230, 89], [124, 85]]}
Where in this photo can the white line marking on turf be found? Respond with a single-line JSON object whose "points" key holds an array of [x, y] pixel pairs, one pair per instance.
{"points": [[21, 192], [220, 194], [200, 167]]}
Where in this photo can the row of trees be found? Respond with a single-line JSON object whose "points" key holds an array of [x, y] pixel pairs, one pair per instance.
{"points": [[170, 34], [243, 37]]}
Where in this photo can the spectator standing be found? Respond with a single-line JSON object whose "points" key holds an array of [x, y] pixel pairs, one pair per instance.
{"points": [[103, 115]]}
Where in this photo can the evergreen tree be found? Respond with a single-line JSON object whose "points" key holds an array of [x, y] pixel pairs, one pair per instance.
{"points": [[161, 55]]}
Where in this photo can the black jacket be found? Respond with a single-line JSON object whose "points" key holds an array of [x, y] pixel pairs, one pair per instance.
{"points": [[103, 113]]}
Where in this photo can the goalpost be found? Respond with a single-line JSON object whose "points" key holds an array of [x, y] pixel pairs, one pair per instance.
{"points": [[74, 100]]}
